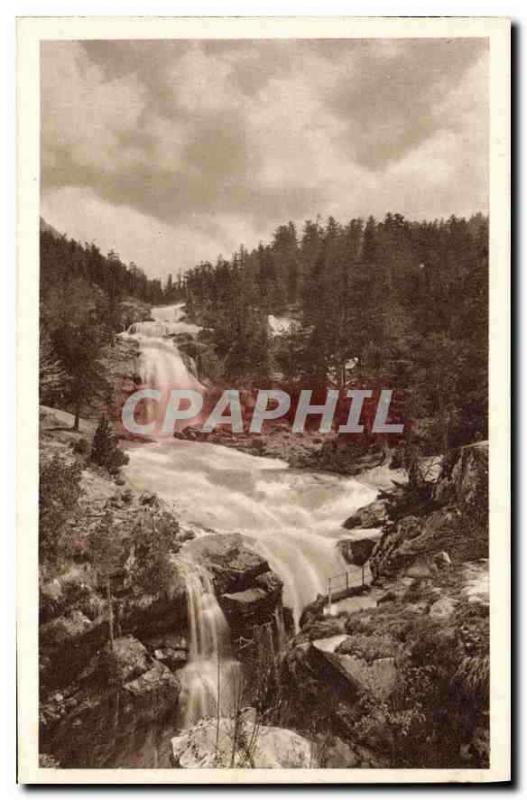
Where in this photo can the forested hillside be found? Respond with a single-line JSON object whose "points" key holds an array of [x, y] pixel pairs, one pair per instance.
{"points": [[85, 299], [405, 301]]}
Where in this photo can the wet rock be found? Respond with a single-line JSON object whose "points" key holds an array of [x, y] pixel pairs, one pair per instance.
{"points": [[264, 746], [356, 551], [156, 689], [148, 499], [253, 606], [104, 719], [420, 569], [174, 659], [388, 597], [233, 566], [442, 560], [372, 515]]}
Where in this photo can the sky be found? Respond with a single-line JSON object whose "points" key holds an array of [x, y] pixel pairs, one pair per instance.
{"points": [[173, 152]]}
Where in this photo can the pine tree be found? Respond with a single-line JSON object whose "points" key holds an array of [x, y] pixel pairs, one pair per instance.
{"points": [[52, 379], [105, 451]]}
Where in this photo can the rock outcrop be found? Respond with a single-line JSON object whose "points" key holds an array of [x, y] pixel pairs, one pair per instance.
{"points": [[405, 681], [249, 593], [96, 720], [357, 551], [372, 515], [69, 640], [454, 522]]}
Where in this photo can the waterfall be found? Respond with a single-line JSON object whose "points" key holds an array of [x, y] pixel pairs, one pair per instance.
{"points": [[211, 678], [161, 365], [292, 518]]}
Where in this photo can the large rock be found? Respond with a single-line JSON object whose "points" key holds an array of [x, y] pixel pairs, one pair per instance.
{"points": [[256, 746], [253, 606], [68, 642], [456, 525], [232, 565], [377, 677], [464, 476], [129, 657], [372, 515], [356, 551], [123, 696], [154, 692], [249, 593]]}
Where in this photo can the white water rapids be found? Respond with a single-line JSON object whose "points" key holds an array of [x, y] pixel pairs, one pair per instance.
{"points": [[292, 518]]}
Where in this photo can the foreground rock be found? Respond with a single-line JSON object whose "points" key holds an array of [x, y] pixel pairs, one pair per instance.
{"points": [[253, 746], [100, 719], [453, 521], [405, 683], [357, 551], [372, 515]]}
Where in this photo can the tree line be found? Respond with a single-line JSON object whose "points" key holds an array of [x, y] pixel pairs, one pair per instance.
{"points": [[86, 298], [394, 302]]}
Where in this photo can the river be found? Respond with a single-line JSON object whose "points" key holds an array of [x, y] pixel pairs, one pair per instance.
{"points": [[293, 518]]}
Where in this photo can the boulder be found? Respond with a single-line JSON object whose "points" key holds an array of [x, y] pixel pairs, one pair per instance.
{"points": [[174, 659], [253, 606], [233, 566], [443, 608], [129, 659], [455, 527], [356, 551], [377, 677], [464, 478], [154, 692], [372, 515], [103, 720], [256, 746]]}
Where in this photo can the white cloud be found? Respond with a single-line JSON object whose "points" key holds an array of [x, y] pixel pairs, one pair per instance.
{"points": [[171, 152]]}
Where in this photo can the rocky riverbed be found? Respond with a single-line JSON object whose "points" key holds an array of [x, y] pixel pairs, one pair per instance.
{"points": [[394, 676], [405, 681]]}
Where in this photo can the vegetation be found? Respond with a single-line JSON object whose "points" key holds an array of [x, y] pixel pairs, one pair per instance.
{"points": [[442, 692], [406, 302], [152, 541], [85, 299], [58, 503], [107, 557], [105, 450]]}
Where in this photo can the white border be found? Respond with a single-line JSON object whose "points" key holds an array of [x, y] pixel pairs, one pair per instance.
{"points": [[30, 33]]}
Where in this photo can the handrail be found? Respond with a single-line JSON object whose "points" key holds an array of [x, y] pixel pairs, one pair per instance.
{"points": [[346, 575]]}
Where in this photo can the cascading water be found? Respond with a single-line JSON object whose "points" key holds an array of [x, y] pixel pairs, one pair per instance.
{"points": [[292, 518], [211, 678]]}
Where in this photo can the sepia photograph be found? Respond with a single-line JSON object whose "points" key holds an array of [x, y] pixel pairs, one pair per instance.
{"points": [[262, 264]]}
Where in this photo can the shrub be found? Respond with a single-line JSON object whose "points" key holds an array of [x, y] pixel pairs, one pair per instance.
{"points": [[58, 504], [81, 447], [105, 451]]}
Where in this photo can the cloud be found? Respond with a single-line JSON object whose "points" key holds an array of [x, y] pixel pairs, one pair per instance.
{"points": [[213, 143]]}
